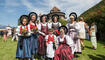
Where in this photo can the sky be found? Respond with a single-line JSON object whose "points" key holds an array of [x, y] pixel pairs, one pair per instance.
{"points": [[11, 10]]}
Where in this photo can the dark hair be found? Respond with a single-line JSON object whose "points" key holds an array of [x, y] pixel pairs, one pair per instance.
{"points": [[24, 17], [73, 14], [55, 15], [46, 17], [33, 14]]}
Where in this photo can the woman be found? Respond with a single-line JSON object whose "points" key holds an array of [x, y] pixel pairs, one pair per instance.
{"points": [[56, 24], [63, 52], [24, 43], [43, 31], [34, 36], [74, 28], [82, 32]]}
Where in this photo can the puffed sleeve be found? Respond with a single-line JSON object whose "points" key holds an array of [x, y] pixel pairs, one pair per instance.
{"points": [[18, 31], [39, 26], [29, 30], [77, 26], [49, 25], [59, 24]]}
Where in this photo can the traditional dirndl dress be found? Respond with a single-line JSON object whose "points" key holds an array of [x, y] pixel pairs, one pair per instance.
{"points": [[63, 52], [34, 41], [73, 33], [24, 45], [41, 40], [55, 26], [50, 49]]}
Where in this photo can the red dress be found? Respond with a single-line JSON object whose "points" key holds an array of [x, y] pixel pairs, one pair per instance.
{"points": [[41, 40], [63, 52]]}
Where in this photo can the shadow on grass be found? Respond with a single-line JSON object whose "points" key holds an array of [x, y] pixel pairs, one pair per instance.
{"points": [[88, 47], [99, 41], [97, 57]]}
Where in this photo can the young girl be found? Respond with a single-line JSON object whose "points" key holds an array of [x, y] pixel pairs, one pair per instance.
{"points": [[24, 43], [93, 36], [56, 24], [63, 52], [34, 36], [43, 31], [5, 35], [51, 45]]}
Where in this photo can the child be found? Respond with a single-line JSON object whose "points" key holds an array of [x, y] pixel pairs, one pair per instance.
{"points": [[24, 43], [5, 35], [63, 52], [51, 44], [93, 37]]}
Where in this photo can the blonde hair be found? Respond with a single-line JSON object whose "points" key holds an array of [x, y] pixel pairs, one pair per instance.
{"points": [[50, 30], [71, 16], [61, 30], [50, 21], [81, 19], [38, 21]]}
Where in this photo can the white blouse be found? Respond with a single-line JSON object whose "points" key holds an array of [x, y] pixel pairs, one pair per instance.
{"points": [[69, 41], [39, 25], [57, 23], [50, 25], [75, 24], [39, 28]]}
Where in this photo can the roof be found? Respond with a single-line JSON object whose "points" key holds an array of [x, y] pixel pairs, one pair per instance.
{"points": [[55, 9], [2, 27]]}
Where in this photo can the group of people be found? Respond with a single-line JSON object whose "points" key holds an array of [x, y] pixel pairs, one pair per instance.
{"points": [[49, 39], [6, 32]]}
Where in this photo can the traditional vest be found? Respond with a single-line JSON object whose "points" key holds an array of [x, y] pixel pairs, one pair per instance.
{"points": [[50, 38], [44, 29], [64, 42], [55, 26]]}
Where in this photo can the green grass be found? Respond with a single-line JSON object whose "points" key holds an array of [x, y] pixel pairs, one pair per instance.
{"points": [[8, 51], [89, 54]]}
